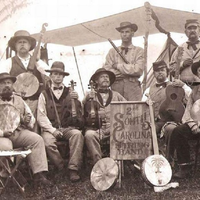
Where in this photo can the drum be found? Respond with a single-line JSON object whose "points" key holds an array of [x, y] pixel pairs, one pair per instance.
{"points": [[156, 170], [104, 174], [26, 84], [9, 117]]}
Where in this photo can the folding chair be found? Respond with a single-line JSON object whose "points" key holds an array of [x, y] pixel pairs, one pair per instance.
{"points": [[14, 174]]}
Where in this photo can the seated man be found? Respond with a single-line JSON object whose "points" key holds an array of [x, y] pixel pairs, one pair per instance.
{"points": [[188, 130], [23, 136], [158, 95], [103, 95], [55, 119]]}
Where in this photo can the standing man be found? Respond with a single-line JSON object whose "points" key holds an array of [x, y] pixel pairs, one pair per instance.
{"points": [[191, 52], [22, 136], [57, 123], [127, 74], [102, 97], [22, 43]]}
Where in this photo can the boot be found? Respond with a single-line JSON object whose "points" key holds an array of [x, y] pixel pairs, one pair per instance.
{"points": [[40, 180], [74, 176], [184, 171]]}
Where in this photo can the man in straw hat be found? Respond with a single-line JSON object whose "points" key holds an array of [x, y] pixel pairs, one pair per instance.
{"points": [[22, 136], [127, 74], [188, 130], [53, 116], [22, 43], [191, 52], [102, 97]]}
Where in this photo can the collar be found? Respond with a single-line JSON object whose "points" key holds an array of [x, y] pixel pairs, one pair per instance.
{"points": [[24, 59]]}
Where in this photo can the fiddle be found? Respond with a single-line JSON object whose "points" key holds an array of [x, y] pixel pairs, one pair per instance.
{"points": [[91, 109], [75, 109]]}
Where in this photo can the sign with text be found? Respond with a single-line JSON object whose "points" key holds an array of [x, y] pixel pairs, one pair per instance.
{"points": [[130, 136]]}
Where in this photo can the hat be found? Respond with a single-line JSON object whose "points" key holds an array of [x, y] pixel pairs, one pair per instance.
{"points": [[58, 66], [6, 75], [191, 22], [127, 25], [20, 35], [159, 64], [194, 67], [103, 70]]}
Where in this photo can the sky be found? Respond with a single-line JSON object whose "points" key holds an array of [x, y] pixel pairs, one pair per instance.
{"points": [[62, 13]]}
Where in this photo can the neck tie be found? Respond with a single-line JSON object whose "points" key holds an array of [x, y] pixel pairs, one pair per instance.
{"points": [[103, 90], [125, 49], [58, 88], [193, 45], [164, 84]]}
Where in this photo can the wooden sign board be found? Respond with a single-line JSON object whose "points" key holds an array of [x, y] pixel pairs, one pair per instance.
{"points": [[130, 136]]}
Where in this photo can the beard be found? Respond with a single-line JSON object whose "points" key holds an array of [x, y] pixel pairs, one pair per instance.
{"points": [[6, 93]]}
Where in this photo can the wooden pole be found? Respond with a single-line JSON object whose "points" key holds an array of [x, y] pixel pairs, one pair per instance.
{"points": [[148, 20]]}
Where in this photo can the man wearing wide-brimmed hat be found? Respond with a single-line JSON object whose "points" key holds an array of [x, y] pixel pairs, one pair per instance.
{"points": [[102, 96], [191, 52], [127, 74], [22, 43], [57, 122], [22, 136]]}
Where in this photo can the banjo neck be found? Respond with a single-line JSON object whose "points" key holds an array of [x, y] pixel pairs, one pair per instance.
{"points": [[153, 128], [33, 58]]}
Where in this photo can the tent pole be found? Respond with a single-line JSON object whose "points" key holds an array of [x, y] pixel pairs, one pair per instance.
{"points": [[148, 19], [78, 71]]}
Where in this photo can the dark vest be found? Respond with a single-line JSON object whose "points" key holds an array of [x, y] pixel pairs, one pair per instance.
{"points": [[18, 68], [61, 105]]}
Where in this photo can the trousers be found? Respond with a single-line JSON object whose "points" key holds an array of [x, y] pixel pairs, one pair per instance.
{"points": [[24, 138], [76, 142]]}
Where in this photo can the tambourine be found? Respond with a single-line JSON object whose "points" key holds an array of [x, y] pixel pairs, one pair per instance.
{"points": [[104, 174], [9, 117], [156, 170], [26, 84]]}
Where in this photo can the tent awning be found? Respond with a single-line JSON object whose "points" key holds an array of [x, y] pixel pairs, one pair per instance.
{"points": [[99, 30]]}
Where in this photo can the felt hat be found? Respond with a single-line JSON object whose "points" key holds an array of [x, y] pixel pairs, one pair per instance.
{"points": [[6, 75], [58, 66], [134, 27], [20, 35], [101, 71], [159, 64], [191, 22]]}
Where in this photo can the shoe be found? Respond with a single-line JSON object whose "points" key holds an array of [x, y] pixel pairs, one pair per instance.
{"points": [[40, 180], [74, 176]]}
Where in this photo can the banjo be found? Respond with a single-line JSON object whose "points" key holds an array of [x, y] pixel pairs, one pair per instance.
{"points": [[156, 170], [27, 83]]}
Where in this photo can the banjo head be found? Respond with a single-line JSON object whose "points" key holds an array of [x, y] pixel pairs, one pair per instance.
{"points": [[156, 170], [9, 117], [195, 111], [26, 84], [104, 174]]}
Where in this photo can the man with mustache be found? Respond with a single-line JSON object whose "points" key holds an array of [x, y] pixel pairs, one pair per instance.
{"points": [[191, 52], [127, 74], [102, 96], [23, 136], [22, 43]]}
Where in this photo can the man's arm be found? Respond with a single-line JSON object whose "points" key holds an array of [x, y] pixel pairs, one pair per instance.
{"points": [[42, 118]]}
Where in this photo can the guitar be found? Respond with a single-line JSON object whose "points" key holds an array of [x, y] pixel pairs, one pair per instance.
{"points": [[172, 108], [156, 170]]}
